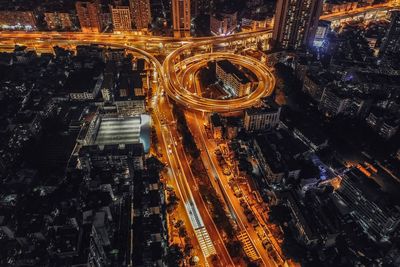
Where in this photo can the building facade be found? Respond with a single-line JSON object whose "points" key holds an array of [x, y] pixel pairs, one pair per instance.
{"points": [[121, 18], [266, 117], [118, 157], [278, 155], [374, 217], [89, 16], [332, 103], [391, 42], [141, 13], [296, 22], [181, 17], [234, 79]]}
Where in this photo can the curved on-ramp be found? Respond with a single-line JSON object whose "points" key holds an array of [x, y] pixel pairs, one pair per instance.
{"points": [[177, 91]]}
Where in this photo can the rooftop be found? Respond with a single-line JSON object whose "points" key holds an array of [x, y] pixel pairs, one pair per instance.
{"points": [[82, 81], [280, 150], [135, 149], [118, 131], [228, 67], [268, 106]]}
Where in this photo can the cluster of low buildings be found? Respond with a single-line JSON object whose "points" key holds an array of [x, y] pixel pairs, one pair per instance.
{"points": [[77, 188], [339, 211], [353, 210], [357, 82]]}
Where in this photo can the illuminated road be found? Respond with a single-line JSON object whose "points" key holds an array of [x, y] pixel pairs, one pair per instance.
{"points": [[155, 44], [178, 91], [205, 230], [187, 182]]}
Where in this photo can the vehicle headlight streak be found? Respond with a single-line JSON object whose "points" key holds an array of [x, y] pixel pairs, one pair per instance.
{"points": [[177, 91]]}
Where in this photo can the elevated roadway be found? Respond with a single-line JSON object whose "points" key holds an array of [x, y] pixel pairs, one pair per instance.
{"points": [[155, 44], [177, 90]]}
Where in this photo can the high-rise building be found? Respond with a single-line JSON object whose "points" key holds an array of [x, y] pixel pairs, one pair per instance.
{"points": [[296, 22], [391, 43], [121, 18], [89, 16], [181, 17], [141, 14]]}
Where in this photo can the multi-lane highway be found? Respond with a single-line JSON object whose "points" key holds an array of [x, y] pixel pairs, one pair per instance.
{"points": [[155, 44], [177, 90], [202, 222], [205, 230]]}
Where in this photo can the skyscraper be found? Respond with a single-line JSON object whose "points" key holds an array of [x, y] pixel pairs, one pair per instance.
{"points": [[121, 18], [89, 16], [391, 42], [181, 17], [296, 22], [141, 14]]}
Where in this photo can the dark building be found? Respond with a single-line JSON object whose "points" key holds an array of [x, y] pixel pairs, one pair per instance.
{"points": [[391, 42], [112, 157], [296, 23], [199, 7], [279, 155], [366, 203]]}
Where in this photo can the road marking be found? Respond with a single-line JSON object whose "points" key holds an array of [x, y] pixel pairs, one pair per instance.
{"points": [[205, 241], [248, 246]]}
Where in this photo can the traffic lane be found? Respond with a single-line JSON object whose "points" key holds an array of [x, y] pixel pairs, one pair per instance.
{"points": [[177, 91], [201, 205], [234, 201]]}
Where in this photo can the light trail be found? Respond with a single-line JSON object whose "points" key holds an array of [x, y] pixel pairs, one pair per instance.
{"points": [[177, 90]]}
